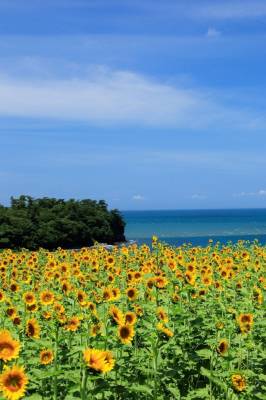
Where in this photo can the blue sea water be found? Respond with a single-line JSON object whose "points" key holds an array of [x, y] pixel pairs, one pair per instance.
{"points": [[196, 226]]}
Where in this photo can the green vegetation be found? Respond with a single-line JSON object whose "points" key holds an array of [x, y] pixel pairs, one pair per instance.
{"points": [[51, 223]]}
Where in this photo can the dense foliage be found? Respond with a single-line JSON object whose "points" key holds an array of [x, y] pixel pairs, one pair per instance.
{"points": [[50, 223], [134, 323]]}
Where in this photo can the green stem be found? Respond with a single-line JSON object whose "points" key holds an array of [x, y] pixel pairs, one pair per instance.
{"points": [[55, 363], [84, 384], [155, 368]]}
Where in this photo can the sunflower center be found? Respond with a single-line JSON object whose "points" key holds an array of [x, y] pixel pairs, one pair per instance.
{"points": [[124, 332], [6, 348], [13, 382], [31, 330]]}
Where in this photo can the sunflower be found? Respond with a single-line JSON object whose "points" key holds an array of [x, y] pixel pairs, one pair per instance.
{"points": [[117, 314], [219, 325], [150, 283], [130, 318], [207, 280], [257, 295], [161, 282], [46, 315], [92, 307], [61, 317], [109, 361], [29, 298], [82, 297], [190, 278], [222, 347], [33, 328], [161, 314], [132, 293], [94, 359], [66, 287], [110, 260], [126, 333], [59, 308], [238, 382], [46, 297], [2, 296], [9, 348], [95, 329], [11, 312], [46, 357], [116, 293], [73, 324], [14, 287], [245, 322], [218, 285], [16, 320], [138, 310], [107, 294], [32, 307], [13, 382], [165, 330]]}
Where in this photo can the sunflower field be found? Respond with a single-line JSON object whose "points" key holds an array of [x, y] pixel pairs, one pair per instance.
{"points": [[134, 323]]}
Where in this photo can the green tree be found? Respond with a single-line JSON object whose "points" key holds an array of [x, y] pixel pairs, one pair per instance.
{"points": [[50, 223]]}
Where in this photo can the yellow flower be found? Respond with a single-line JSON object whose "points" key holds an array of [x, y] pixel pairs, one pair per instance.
{"points": [[245, 322], [99, 360], [46, 357], [161, 282], [2, 296], [29, 298], [95, 329], [223, 346], [9, 348], [109, 361], [107, 294], [82, 297], [165, 330], [162, 314], [13, 382], [126, 333], [46, 297], [238, 382], [130, 318], [73, 324], [117, 314], [33, 329], [132, 293], [110, 260]]}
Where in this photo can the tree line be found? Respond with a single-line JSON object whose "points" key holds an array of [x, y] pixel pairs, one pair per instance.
{"points": [[50, 223]]}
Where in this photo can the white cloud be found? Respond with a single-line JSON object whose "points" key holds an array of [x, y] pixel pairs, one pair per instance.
{"points": [[260, 192], [119, 97], [198, 196], [231, 9], [212, 33], [138, 197]]}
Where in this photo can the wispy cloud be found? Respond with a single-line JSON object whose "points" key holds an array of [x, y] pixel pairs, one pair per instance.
{"points": [[261, 192], [119, 97], [138, 197], [212, 33], [230, 9], [198, 196]]}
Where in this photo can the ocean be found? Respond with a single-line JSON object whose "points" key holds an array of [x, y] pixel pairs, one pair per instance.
{"points": [[196, 226]]}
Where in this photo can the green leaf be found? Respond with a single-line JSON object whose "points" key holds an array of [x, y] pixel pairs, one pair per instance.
{"points": [[214, 379], [175, 392], [204, 353], [34, 396], [202, 393], [140, 389]]}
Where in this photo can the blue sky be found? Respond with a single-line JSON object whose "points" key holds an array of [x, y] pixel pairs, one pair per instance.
{"points": [[146, 104]]}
